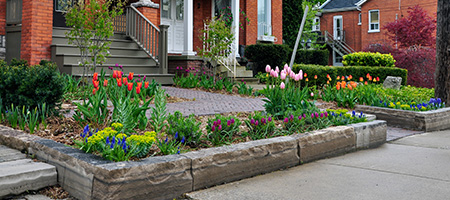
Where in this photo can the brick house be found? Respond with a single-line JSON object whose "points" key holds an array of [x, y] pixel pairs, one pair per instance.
{"points": [[34, 31], [352, 25]]}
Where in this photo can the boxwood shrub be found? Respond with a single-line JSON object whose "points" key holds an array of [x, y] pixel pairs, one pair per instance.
{"points": [[315, 57], [30, 86], [368, 59], [267, 54]]}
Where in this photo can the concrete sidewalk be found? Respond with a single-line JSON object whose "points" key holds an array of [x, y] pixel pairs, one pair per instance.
{"points": [[415, 167]]}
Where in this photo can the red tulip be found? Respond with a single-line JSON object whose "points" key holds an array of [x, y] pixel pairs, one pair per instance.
{"points": [[96, 84], [139, 85], [130, 76], [95, 76], [130, 86], [146, 85], [115, 74], [378, 78], [119, 82], [125, 81], [94, 91], [119, 74], [105, 82], [361, 79], [138, 90]]}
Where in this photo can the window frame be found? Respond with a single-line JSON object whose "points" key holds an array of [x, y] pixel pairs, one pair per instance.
{"points": [[268, 17], [359, 19], [370, 24], [316, 27]]}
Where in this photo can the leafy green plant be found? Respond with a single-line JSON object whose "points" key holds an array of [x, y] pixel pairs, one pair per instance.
{"points": [[94, 110], [244, 89], [33, 120], [159, 112], [260, 126], [188, 81], [228, 85], [186, 127], [90, 31], [219, 84], [168, 147], [222, 129], [368, 59], [206, 82]]}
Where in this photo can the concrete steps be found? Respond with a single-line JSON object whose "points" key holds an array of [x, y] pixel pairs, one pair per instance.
{"points": [[241, 72], [19, 174]]}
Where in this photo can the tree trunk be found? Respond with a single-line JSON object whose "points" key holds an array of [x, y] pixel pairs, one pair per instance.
{"points": [[442, 74]]}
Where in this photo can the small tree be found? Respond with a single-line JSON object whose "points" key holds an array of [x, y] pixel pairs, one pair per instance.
{"points": [[309, 23], [92, 26], [415, 29]]}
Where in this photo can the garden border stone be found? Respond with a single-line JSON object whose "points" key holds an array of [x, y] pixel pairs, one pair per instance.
{"points": [[432, 120], [87, 176]]}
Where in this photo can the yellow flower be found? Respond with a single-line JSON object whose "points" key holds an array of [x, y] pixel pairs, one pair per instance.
{"points": [[117, 126]]}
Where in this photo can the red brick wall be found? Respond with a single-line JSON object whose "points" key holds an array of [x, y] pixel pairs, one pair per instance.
{"points": [[151, 14], [250, 32], [37, 16], [202, 12], [277, 20], [2, 17], [351, 27], [388, 11]]}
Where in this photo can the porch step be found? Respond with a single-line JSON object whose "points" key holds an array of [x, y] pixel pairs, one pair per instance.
{"points": [[110, 60], [70, 49], [241, 72], [62, 31], [123, 42], [18, 175], [246, 80]]}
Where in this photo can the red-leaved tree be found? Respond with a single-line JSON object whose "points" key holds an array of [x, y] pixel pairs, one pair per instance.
{"points": [[415, 29]]}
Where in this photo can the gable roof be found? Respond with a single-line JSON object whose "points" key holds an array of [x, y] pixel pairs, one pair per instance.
{"points": [[341, 5]]}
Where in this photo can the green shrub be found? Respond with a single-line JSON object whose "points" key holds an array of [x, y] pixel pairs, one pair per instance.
{"points": [[368, 59], [315, 57], [355, 71], [30, 86], [267, 54]]}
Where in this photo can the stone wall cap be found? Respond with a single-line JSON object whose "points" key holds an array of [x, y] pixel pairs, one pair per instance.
{"points": [[145, 3]]}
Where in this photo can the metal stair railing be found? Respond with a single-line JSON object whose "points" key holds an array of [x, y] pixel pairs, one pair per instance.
{"points": [[339, 45]]}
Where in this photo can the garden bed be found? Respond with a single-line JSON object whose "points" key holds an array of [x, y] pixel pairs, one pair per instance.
{"points": [[87, 176], [432, 120]]}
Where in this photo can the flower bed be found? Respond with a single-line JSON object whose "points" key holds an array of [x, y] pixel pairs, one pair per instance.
{"points": [[87, 176], [431, 120]]}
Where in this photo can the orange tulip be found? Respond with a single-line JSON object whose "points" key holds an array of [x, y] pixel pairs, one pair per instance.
{"points": [[342, 78], [361, 79], [338, 78], [130, 86], [115, 74], [354, 84], [306, 80], [130, 76], [105, 82], [370, 78], [95, 76], [328, 76], [365, 83], [378, 78], [315, 76], [350, 87], [119, 82], [338, 86], [139, 85], [305, 75], [119, 74], [125, 81], [146, 85], [328, 82], [350, 77], [343, 84], [367, 75], [94, 91], [138, 90]]}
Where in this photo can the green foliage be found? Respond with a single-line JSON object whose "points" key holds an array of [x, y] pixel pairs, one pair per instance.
{"points": [[168, 147], [244, 89], [341, 117], [260, 126], [222, 129], [159, 113], [319, 70], [30, 86], [188, 81], [217, 38], [267, 54], [94, 110], [314, 57], [91, 26], [308, 34], [187, 127], [368, 59], [292, 18]]}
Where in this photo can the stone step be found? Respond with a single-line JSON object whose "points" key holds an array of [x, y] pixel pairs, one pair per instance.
{"points": [[23, 175], [7, 154]]}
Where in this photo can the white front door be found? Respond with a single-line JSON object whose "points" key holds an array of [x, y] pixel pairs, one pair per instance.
{"points": [[172, 14], [337, 27]]}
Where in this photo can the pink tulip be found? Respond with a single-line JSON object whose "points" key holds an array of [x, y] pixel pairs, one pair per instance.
{"points": [[282, 86], [268, 68], [292, 75], [301, 74], [277, 69], [275, 74], [272, 73], [312, 94], [297, 77], [283, 75]]}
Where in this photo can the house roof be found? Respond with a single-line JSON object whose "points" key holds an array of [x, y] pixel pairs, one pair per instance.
{"points": [[340, 5]]}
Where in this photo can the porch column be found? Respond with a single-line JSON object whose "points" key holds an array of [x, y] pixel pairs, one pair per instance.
{"points": [[235, 11], [188, 27]]}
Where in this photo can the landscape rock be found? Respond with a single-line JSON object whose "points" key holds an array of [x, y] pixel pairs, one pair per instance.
{"points": [[392, 82]]}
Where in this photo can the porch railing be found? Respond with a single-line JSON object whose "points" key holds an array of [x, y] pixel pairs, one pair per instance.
{"points": [[150, 38], [338, 44], [120, 24], [227, 57]]}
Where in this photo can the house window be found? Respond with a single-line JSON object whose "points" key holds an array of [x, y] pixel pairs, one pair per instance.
{"points": [[374, 21], [63, 5], [359, 19], [316, 24], [264, 17]]}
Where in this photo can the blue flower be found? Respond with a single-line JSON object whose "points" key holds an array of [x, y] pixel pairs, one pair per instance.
{"points": [[86, 129], [353, 113], [176, 135], [178, 152], [439, 100], [167, 139], [183, 140], [385, 104], [381, 101], [107, 140]]}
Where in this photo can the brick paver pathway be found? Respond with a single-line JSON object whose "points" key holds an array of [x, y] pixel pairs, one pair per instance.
{"points": [[207, 103]]}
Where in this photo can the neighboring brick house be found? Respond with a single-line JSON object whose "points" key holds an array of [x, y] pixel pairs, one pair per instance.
{"points": [[355, 24], [33, 23]]}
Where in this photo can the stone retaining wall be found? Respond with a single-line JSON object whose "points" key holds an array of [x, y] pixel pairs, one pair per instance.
{"points": [[432, 120], [86, 176]]}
